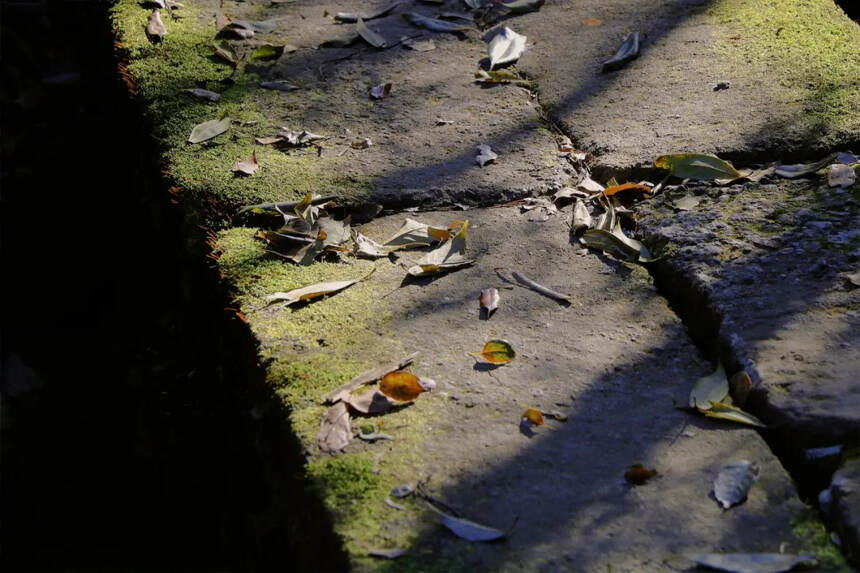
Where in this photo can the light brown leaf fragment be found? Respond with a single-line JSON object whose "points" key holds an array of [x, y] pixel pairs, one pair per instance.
{"points": [[367, 248], [489, 301], [629, 50], [639, 474], [247, 166], [581, 219], [414, 234], [268, 140], [367, 377], [526, 281], [485, 155], [224, 51], [155, 28], [381, 91], [310, 292], [420, 45], [208, 129], [448, 256], [370, 36], [335, 432], [372, 402], [733, 414]]}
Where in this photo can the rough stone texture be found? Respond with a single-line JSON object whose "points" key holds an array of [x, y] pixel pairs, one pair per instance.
{"points": [[764, 267], [845, 505]]}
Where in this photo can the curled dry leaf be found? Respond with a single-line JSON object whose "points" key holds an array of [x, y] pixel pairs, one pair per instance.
{"points": [[489, 301], [208, 129], [697, 166], [802, 169], [367, 248], [419, 45], [468, 530], [310, 292], [414, 234], [534, 416], [155, 28], [734, 481], [224, 51], [740, 385], [370, 402], [732, 413], [628, 51], [506, 46], [522, 6], [752, 562], [370, 36], [617, 244], [247, 166], [203, 94], [381, 91], [625, 188], [449, 256], [638, 474], [710, 389], [401, 385], [524, 280], [496, 352], [335, 432], [485, 155], [581, 219]]}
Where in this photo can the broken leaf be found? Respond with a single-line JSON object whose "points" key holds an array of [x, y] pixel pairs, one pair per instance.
{"points": [[335, 432], [505, 47], [801, 169], [496, 352], [369, 36], [522, 6], [204, 94], [686, 203], [247, 166], [485, 155], [371, 402], [589, 185], [155, 28], [626, 188], [209, 129], [279, 85], [387, 553], [310, 292], [489, 301], [500, 77], [381, 91], [367, 248], [401, 385], [267, 52], [734, 481], [629, 50], [435, 24], [351, 17], [639, 474], [367, 377], [260, 27], [468, 530], [728, 412], [225, 52], [448, 256], [697, 166], [752, 562], [524, 280], [534, 416], [419, 45], [581, 218], [268, 140], [301, 138], [361, 143], [710, 389], [592, 21], [617, 244], [414, 234], [342, 42], [739, 387], [840, 175]]}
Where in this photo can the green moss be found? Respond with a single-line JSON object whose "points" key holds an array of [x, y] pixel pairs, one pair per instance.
{"points": [[810, 47], [807, 527]]}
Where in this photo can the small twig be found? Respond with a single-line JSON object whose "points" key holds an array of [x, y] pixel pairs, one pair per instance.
{"points": [[524, 280], [286, 206], [435, 503]]}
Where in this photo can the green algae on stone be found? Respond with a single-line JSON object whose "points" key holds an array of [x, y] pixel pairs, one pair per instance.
{"points": [[808, 528]]}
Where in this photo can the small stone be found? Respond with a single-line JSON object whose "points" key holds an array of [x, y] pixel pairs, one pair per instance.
{"points": [[839, 175], [722, 85]]}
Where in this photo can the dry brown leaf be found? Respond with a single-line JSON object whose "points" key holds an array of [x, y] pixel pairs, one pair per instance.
{"points": [[335, 432], [247, 166]]}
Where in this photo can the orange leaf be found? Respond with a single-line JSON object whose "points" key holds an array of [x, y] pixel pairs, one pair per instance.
{"points": [[534, 416], [639, 474], [401, 385], [592, 21], [633, 187]]}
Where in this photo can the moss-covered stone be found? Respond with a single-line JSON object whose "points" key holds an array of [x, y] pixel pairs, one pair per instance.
{"points": [[808, 527]]}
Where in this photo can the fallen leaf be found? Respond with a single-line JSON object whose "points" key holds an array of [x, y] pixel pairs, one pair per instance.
{"points": [[448, 256], [639, 474], [840, 175], [801, 169], [506, 46], [734, 481], [740, 385], [496, 352], [310, 292], [435, 24], [361, 143], [367, 377], [387, 553], [247, 166], [402, 490], [367, 248], [225, 52], [381, 91], [526, 281], [209, 129], [342, 42], [589, 185], [709, 389], [592, 21], [489, 301], [335, 432], [300, 139], [419, 45], [555, 415], [267, 52], [371, 402], [485, 155], [534, 416], [629, 50], [469, 530], [268, 140], [617, 244], [625, 188], [350, 17], [279, 85], [414, 234], [752, 562], [155, 28], [686, 203], [401, 385], [728, 412], [697, 166], [581, 219], [500, 77], [369, 36], [522, 6], [204, 94]]}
